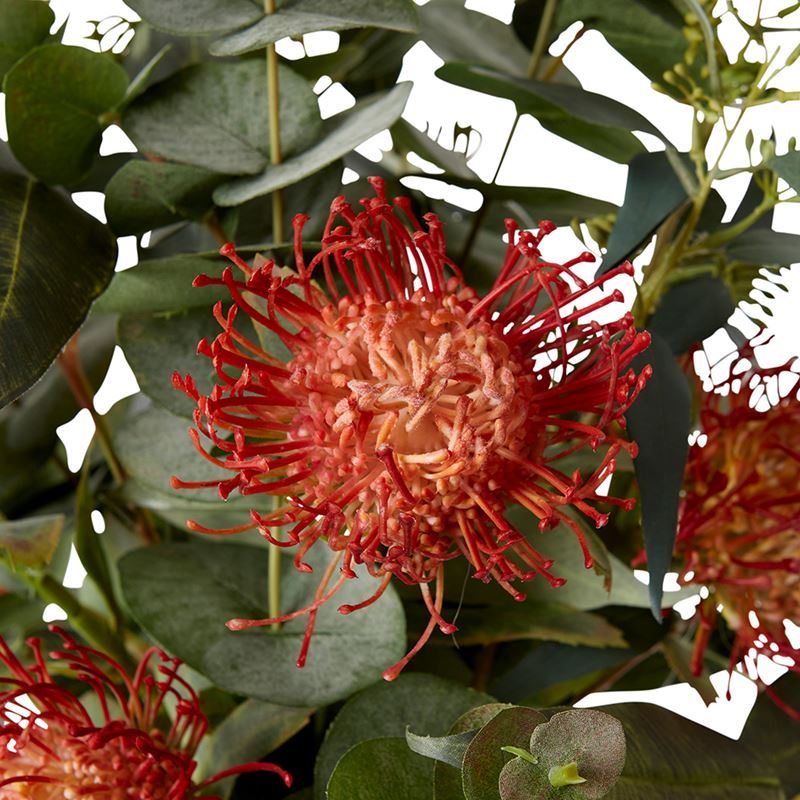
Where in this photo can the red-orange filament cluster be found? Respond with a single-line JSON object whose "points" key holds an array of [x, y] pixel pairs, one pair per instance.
{"points": [[52, 745], [412, 411], [739, 526]]}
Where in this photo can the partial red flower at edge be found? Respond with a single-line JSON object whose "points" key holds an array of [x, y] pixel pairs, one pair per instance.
{"points": [[739, 523], [133, 753], [413, 411]]}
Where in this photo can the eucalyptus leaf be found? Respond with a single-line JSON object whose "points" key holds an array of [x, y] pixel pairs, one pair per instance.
{"points": [[224, 117], [198, 17], [658, 421], [58, 101], [296, 17], [365, 120], [23, 26], [156, 346], [423, 703], [448, 749], [484, 759], [54, 260], [164, 285], [765, 247], [144, 195], [206, 584], [380, 769]]}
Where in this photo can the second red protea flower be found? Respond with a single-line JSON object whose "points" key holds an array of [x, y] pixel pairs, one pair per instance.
{"points": [[52, 745], [739, 526], [412, 411]]}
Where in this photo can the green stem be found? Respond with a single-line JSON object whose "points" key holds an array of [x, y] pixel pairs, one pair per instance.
{"points": [[540, 44], [273, 97]]}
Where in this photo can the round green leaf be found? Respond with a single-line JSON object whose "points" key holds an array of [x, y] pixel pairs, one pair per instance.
{"points": [[23, 25], [424, 703], [183, 594], [582, 745], [54, 260], [155, 346], [484, 758], [223, 117], [56, 101], [144, 195], [380, 769], [197, 17]]}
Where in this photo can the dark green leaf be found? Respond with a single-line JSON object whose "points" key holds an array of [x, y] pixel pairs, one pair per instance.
{"points": [[658, 422], [452, 31], [297, 17], [484, 759], [156, 346], [24, 24], [365, 120], [20, 617], [678, 653], [647, 32], [380, 769], [787, 167], [197, 17], [772, 733], [422, 702], [592, 741], [652, 193], [531, 620], [54, 260], [224, 118], [31, 543], [690, 311], [164, 284], [205, 584], [671, 758], [251, 731], [447, 749], [591, 120], [765, 247], [57, 102], [144, 195]]}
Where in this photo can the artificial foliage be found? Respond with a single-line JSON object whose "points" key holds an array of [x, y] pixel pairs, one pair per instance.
{"points": [[369, 528]]}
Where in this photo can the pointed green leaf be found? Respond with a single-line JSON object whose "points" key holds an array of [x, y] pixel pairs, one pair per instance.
{"points": [[787, 167], [31, 542]]}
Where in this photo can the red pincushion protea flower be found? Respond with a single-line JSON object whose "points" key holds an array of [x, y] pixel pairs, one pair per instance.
{"points": [[412, 411], [51, 746], [739, 525]]}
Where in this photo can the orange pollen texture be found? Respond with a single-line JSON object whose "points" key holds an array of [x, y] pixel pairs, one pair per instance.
{"points": [[739, 526], [412, 411]]}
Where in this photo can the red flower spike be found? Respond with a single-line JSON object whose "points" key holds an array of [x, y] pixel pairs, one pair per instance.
{"points": [[412, 411], [739, 523], [50, 746]]}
